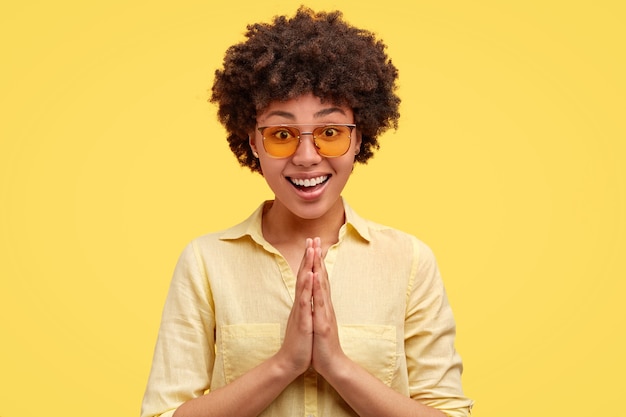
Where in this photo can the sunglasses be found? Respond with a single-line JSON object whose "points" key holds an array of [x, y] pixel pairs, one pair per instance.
{"points": [[331, 141]]}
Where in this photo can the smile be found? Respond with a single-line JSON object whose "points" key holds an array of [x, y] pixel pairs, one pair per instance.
{"points": [[309, 182]]}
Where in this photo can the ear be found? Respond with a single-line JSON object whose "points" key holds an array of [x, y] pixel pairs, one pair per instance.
{"points": [[357, 142], [252, 145]]}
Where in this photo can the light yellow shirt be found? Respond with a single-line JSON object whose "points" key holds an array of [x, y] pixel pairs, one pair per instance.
{"points": [[231, 295]]}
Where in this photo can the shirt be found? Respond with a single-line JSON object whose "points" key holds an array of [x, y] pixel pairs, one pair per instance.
{"points": [[232, 292]]}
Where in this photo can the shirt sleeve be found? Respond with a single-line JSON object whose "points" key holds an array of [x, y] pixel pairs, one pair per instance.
{"points": [[434, 366], [184, 354]]}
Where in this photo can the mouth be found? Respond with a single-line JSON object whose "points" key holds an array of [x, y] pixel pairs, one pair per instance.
{"points": [[309, 184]]}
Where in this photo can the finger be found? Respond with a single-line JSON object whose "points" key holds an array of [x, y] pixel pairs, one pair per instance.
{"points": [[324, 321], [305, 302], [306, 264], [318, 262], [319, 268], [322, 300], [319, 295], [301, 310], [297, 345], [306, 288]]}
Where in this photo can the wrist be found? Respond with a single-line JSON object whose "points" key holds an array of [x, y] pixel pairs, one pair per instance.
{"points": [[284, 369], [338, 370]]}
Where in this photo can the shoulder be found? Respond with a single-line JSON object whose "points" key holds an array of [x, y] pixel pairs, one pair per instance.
{"points": [[205, 246], [245, 231], [399, 239], [386, 239]]}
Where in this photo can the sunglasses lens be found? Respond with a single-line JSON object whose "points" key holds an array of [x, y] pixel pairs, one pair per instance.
{"points": [[280, 141], [332, 140]]}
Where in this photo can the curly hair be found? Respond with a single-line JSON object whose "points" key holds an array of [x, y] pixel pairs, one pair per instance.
{"points": [[316, 53]]}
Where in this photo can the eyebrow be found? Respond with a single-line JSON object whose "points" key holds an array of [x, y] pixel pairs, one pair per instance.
{"points": [[321, 113]]}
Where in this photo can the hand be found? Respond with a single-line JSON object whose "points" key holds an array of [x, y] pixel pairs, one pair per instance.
{"points": [[296, 350], [327, 350]]}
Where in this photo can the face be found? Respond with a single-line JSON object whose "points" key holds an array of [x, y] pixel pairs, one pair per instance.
{"points": [[306, 184]]}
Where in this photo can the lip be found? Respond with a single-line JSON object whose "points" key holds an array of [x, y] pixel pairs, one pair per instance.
{"points": [[312, 194]]}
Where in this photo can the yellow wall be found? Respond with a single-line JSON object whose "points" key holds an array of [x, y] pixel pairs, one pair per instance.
{"points": [[509, 162]]}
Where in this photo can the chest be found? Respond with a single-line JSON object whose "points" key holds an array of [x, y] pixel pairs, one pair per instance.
{"points": [[261, 286], [293, 257]]}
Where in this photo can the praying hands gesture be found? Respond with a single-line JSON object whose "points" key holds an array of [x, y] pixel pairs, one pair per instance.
{"points": [[311, 338]]}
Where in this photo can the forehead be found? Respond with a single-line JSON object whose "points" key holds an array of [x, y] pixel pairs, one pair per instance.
{"points": [[305, 107]]}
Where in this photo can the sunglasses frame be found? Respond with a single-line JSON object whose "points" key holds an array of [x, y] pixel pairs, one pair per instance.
{"points": [[296, 126]]}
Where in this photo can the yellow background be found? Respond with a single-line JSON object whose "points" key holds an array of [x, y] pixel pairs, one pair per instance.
{"points": [[509, 162]]}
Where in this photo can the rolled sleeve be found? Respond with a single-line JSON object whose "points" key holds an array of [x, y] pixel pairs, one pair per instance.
{"points": [[434, 366], [184, 354]]}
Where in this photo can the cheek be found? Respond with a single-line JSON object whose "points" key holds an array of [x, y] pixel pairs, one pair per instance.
{"points": [[345, 166], [270, 169]]}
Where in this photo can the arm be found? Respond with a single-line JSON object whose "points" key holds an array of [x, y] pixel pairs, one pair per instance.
{"points": [[366, 394], [248, 395], [369, 397], [434, 366], [252, 392]]}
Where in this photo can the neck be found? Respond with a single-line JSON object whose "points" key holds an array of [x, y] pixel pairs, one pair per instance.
{"points": [[280, 226]]}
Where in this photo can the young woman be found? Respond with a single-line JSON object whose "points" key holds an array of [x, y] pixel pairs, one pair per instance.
{"points": [[305, 308]]}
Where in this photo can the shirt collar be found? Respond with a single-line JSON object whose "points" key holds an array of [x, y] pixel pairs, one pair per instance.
{"points": [[252, 226]]}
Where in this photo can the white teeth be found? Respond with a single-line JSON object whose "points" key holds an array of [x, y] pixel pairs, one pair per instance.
{"points": [[309, 182]]}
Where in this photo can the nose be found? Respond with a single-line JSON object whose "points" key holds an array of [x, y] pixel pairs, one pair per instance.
{"points": [[306, 153]]}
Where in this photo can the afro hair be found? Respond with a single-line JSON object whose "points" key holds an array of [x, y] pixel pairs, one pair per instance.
{"points": [[311, 52]]}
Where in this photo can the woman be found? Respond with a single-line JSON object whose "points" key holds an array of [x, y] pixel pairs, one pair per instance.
{"points": [[306, 309]]}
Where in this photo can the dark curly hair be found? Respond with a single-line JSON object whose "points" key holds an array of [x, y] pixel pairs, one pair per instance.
{"points": [[316, 53]]}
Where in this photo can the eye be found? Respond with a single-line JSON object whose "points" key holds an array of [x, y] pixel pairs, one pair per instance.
{"points": [[329, 131], [282, 134]]}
